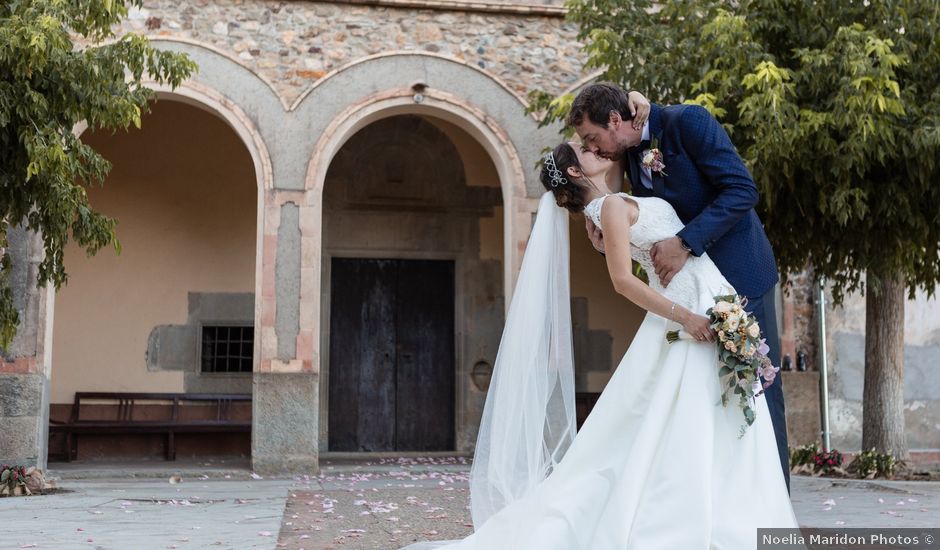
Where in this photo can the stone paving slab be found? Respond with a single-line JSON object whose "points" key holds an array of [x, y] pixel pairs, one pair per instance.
{"points": [[836, 503], [389, 518], [135, 514]]}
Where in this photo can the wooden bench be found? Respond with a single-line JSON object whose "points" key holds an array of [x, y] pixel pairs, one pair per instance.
{"points": [[215, 407]]}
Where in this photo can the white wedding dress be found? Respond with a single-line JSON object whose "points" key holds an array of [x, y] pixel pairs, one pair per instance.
{"points": [[658, 465]]}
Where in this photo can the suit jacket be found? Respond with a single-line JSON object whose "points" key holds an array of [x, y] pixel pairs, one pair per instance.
{"points": [[706, 182]]}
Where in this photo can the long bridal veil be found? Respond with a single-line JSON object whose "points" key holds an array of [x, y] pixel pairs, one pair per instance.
{"points": [[529, 416]]}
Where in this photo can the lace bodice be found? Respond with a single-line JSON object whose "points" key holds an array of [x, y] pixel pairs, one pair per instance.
{"points": [[699, 281]]}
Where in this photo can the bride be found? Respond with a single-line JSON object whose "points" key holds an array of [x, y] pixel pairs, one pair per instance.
{"points": [[659, 463]]}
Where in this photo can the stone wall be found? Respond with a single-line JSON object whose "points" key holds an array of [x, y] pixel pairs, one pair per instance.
{"points": [[846, 342], [292, 45], [24, 367]]}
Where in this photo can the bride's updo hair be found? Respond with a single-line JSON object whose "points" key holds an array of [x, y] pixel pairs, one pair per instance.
{"points": [[569, 192]]}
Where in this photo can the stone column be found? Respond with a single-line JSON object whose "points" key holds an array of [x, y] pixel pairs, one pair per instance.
{"points": [[285, 402], [25, 368]]}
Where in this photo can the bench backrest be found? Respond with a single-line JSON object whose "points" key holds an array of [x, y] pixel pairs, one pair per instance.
{"points": [[127, 400]]}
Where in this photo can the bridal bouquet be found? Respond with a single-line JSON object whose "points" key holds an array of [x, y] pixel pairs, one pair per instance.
{"points": [[742, 353]]}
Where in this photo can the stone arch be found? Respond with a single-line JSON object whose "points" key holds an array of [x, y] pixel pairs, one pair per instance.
{"points": [[516, 204], [468, 98], [445, 106], [211, 100]]}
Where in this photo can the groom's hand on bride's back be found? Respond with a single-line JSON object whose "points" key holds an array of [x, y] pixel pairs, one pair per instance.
{"points": [[668, 258], [595, 234]]}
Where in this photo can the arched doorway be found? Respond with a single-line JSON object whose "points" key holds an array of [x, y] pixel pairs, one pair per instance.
{"points": [[412, 295], [175, 311]]}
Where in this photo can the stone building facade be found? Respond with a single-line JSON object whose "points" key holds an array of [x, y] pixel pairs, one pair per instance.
{"points": [[318, 141], [315, 137]]}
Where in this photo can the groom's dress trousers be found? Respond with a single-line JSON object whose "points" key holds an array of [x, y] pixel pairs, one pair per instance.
{"points": [[706, 182]]}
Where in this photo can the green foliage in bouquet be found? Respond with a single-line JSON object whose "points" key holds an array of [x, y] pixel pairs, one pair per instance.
{"points": [[742, 354]]}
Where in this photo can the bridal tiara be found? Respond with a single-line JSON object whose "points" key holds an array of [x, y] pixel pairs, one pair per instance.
{"points": [[557, 176]]}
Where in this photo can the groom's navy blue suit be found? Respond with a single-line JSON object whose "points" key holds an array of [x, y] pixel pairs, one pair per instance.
{"points": [[710, 188]]}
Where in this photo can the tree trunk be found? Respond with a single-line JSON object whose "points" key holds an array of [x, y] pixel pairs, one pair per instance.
{"points": [[883, 406]]}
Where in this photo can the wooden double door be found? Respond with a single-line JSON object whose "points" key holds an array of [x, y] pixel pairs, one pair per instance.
{"points": [[391, 355]]}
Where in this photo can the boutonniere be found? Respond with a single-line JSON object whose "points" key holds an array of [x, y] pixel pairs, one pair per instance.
{"points": [[653, 158]]}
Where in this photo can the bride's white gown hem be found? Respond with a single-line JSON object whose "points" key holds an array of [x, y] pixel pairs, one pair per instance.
{"points": [[659, 464]]}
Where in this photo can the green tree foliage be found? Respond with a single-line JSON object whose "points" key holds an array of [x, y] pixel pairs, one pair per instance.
{"points": [[833, 104], [48, 85]]}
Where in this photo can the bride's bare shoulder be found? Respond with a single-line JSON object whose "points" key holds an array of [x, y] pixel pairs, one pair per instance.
{"points": [[620, 206]]}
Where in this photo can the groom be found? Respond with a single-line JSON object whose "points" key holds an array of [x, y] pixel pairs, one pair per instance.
{"points": [[701, 175]]}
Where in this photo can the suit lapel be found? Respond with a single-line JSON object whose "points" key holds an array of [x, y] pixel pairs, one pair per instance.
{"points": [[635, 184], [656, 135]]}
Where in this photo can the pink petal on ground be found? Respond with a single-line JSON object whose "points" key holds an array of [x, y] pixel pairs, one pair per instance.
{"points": [[829, 502], [264, 533]]}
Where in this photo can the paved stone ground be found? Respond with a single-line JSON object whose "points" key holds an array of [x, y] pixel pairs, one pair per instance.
{"points": [[388, 504], [377, 504]]}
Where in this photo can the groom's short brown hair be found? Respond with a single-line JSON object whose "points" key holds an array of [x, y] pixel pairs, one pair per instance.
{"points": [[597, 101]]}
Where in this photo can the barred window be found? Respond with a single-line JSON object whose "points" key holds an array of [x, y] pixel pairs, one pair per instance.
{"points": [[227, 348]]}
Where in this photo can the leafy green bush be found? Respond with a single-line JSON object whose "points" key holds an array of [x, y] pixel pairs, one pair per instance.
{"points": [[803, 454], [872, 464]]}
